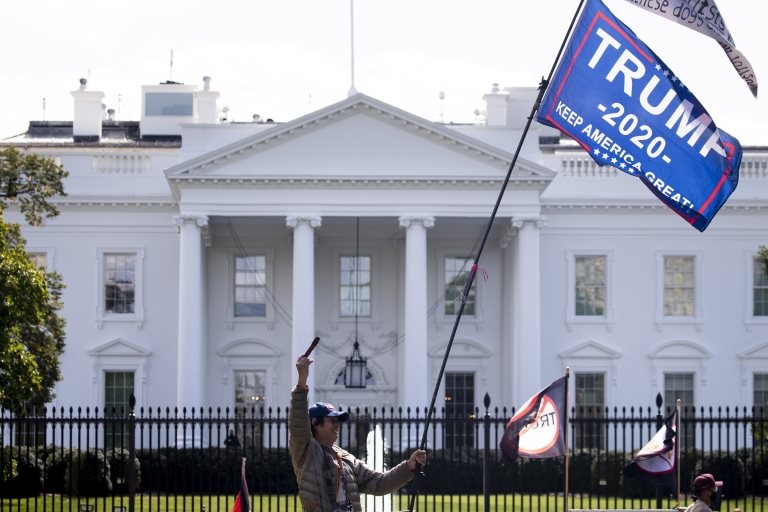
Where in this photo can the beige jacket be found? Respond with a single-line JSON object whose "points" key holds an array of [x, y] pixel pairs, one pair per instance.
{"points": [[308, 464], [698, 506]]}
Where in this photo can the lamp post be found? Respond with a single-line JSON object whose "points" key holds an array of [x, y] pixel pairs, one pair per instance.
{"points": [[356, 371]]}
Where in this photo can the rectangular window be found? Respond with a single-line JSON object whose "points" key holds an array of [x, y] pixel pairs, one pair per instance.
{"points": [[590, 281], [760, 393], [29, 427], [680, 385], [459, 410], [119, 283], [355, 285], [590, 408], [457, 271], [679, 286], [760, 289], [250, 390], [168, 104], [250, 286], [38, 259], [118, 388]]}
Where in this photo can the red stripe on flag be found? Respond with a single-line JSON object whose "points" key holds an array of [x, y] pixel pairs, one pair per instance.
{"points": [[242, 501]]}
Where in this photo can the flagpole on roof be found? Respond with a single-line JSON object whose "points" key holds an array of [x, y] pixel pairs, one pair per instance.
{"points": [[565, 440], [678, 440], [476, 264]]}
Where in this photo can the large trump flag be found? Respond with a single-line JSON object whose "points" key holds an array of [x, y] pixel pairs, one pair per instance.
{"points": [[628, 110], [537, 430]]}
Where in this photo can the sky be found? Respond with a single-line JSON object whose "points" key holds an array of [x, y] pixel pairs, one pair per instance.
{"points": [[282, 59]]}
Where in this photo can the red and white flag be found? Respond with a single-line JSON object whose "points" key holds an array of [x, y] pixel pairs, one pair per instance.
{"points": [[537, 430], [242, 501], [655, 462]]}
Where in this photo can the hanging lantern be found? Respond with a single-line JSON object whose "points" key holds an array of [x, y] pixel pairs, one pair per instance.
{"points": [[356, 374], [356, 371]]}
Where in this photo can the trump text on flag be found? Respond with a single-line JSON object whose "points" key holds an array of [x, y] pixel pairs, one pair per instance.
{"points": [[624, 106], [536, 429], [541, 434]]}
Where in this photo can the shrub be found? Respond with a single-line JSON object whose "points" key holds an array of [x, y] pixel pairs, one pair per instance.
{"points": [[88, 475], [56, 461], [200, 470], [8, 466], [729, 469], [757, 470], [581, 471], [119, 459], [608, 472], [24, 471]]}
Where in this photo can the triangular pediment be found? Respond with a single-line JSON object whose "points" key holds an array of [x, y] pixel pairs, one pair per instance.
{"points": [[358, 138], [758, 351], [119, 348], [680, 350], [589, 350]]}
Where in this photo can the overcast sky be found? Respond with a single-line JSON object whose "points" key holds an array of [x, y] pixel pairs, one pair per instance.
{"points": [[284, 58]]}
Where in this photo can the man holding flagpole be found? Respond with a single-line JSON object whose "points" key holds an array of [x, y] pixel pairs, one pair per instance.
{"points": [[331, 479]]}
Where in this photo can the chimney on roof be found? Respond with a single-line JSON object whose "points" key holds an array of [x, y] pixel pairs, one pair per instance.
{"points": [[206, 103], [496, 107], [89, 113], [520, 101]]}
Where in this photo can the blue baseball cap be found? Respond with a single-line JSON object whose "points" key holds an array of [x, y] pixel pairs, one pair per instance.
{"points": [[322, 409]]}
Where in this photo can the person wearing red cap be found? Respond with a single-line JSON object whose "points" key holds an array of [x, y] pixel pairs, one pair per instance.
{"points": [[706, 494], [331, 479]]}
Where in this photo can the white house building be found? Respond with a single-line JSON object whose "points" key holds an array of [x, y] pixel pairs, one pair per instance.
{"points": [[201, 258]]}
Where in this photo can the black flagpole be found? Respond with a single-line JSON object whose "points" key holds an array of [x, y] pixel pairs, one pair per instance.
{"points": [[467, 288]]}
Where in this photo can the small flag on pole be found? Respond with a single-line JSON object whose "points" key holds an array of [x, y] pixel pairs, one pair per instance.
{"points": [[242, 501], [537, 430], [655, 462], [705, 17]]}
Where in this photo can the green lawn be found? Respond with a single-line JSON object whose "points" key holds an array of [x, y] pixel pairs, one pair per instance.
{"points": [[424, 503]]}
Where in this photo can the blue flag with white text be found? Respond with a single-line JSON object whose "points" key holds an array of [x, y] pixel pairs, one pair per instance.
{"points": [[628, 110]]}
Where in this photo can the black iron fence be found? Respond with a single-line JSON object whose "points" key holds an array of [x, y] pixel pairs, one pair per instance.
{"points": [[169, 459]]}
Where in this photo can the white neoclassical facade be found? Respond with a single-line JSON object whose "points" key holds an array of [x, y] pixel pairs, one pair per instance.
{"points": [[201, 257]]}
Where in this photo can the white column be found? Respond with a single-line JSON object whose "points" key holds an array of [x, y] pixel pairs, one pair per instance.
{"points": [[528, 297], [413, 379], [190, 377], [303, 304], [508, 319]]}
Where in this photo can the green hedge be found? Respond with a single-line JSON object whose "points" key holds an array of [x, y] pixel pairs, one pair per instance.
{"points": [[88, 475], [269, 471], [56, 460], [202, 470]]}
